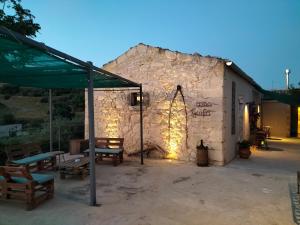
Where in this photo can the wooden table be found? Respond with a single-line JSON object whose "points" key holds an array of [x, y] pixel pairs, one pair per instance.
{"points": [[77, 145], [78, 166]]}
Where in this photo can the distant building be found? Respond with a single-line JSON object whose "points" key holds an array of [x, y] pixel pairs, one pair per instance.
{"points": [[10, 130], [281, 113], [188, 97]]}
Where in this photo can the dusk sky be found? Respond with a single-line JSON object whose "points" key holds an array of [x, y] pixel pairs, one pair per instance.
{"points": [[261, 37]]}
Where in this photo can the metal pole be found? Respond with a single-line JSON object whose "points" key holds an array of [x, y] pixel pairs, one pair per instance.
{"points": [[58, 137], [141, 124], [91, 136], [50, 121]]}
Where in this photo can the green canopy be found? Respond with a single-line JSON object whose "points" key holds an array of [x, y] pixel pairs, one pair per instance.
{"points": [[290, 97], [25, 62]]}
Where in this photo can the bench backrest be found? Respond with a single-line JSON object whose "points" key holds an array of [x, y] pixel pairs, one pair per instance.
{"points": [[7, 172], [21, 151], [109, 142]]}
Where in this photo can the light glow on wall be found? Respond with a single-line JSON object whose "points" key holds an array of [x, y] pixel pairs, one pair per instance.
{"points": [[298, 121], [110, 118], [173, 148], [259, 118], [246, 123], [112, 126], [177, 129]]}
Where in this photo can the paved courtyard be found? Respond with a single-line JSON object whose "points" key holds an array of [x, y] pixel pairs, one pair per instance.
{"points": [[261, 190]]}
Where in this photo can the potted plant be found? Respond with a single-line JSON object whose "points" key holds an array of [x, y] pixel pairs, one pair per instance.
{"points": [[244, 149]]}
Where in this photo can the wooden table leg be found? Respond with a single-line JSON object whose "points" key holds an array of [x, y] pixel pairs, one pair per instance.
{"points": [[115, 159], [84, 173], [121, 157]]}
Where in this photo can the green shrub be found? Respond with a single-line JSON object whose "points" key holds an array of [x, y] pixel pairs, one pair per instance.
{"points": [[6, 97], [44, 100], [9, 119], [8, 89], [244, 144], [35, 123], [62, 110]]}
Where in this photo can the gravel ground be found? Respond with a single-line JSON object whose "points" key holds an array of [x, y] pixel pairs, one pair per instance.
{"points": [[261, 190]]}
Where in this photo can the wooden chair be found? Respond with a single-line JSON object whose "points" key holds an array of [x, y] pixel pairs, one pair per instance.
{"points": [[261, 139], [109, 148], [18, 183]]}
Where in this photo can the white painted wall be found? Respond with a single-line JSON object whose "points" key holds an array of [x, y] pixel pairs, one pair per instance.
{"points": [[244, 94]]}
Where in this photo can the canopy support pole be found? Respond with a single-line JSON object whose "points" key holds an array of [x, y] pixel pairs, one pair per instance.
{"points": [[91, 136], [141, 124], [50, 121]]}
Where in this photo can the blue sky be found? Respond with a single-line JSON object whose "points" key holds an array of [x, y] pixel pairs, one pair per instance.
{"points": [[262, 37]]}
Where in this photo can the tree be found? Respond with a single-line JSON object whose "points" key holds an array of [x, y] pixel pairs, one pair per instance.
{"points": [[62, 110], [20, 20]]}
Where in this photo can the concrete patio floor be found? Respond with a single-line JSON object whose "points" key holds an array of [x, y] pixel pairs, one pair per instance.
{"points": [[261, 190]]}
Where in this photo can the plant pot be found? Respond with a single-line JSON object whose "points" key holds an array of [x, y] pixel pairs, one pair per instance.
{"points": [[244, 153]]}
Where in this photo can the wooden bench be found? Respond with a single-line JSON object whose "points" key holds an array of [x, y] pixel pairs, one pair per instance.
{"points": [[42, 161], [108, 148], [18, 183], [30, 155]]}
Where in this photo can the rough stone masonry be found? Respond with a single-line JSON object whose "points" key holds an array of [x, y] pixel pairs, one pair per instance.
{"points": [[175, 122]]}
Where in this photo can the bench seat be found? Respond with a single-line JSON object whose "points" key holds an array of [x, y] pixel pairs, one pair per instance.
{"points": [[33, 159], [39, 178], [39, 161], [106, 150]]}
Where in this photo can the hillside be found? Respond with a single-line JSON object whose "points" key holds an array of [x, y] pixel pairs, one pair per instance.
{"points": [[29, 107], [24, 108]]}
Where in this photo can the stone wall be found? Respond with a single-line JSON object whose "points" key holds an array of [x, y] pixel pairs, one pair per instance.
{"points": [[198, 114]]}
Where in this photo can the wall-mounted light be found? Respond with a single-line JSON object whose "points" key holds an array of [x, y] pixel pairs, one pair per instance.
{"points": [[135, 99], [241, 100], [229, 63]]}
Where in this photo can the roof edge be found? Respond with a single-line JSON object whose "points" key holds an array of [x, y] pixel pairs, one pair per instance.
{"points": [[230, 64], [227, 62]]}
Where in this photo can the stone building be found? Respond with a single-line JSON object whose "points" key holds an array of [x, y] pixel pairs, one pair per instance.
{"points": [[281, 113], [188, 97]]}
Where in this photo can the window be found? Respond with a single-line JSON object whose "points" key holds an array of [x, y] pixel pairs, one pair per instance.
{"points": [[233, 93]]}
